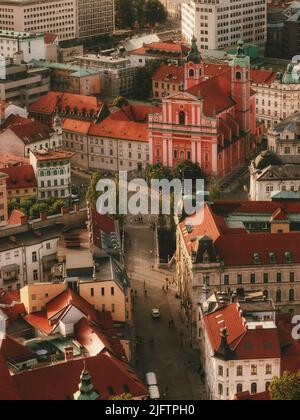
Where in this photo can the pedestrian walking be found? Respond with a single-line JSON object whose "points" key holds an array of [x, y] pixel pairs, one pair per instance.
{"points": [[135, 293], [146, 293], [163, 288], [144, 284]]}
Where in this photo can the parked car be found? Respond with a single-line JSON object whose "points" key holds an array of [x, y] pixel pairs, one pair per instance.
{"points": [[155, 313]]}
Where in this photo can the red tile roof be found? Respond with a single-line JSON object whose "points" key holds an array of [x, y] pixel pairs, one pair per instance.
{"points": [[279, 215], [123, 130], [66, 299], [20, 177], [12, 160], [162, 47], [216, 94], [76, 126], [101, 223], [230, 250], [228, 317], [259, 207], [247, 344], [135, 113], [53, 101], [29, 131], [265, 77], [57, 308], [16, 217], [95, 340], [15, 120], [50, 38], [170, 74], [8, 390], [12, 350], [246, 396], [211, 222], [60, 382]]}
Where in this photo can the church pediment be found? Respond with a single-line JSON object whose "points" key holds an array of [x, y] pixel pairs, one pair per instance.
{"points": [[182, 96]]}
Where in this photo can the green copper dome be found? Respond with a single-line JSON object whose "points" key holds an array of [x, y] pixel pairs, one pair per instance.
{"points": [[291, 75], [240, 59], [194, 55], [86, 390]]}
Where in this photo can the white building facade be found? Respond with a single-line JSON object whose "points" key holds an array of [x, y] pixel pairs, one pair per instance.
{"points": [[32, 46], [52, 169], [68, 19], [227, 371], [23, 257], [218, 25]]}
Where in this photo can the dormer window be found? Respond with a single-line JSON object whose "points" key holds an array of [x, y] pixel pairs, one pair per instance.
{"points": [[191, 73], [272, 258], [288, 257], [238, 75], [256, 258]]}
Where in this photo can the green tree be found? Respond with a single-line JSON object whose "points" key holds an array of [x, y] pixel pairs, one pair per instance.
{"points": [[140, 12], [187, 170], [286, 388], [55, 208], [119, 102], [38, 208], [125, 16], [143, 80], [157, 171], [155, 12], [92, 195]]}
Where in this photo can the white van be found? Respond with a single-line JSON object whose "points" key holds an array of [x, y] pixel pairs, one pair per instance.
{"points": [[151, 379], [154, 392]]}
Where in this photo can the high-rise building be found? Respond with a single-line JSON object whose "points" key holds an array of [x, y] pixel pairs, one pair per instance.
{"points": [[218, 25], [66, 18], [95, 17]]}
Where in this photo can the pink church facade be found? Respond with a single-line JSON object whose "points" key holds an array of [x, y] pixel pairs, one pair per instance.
{"points": [[212, 122]]}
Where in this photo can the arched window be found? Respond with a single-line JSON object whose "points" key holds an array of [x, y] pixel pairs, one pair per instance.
{"points": [[278, 296], [182, 118], [291, 295], [254, 388], [239, 388], [238, 75], [191, 73], [220, 389], [268, 384]]}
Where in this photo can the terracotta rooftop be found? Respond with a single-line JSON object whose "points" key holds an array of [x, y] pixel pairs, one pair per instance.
{"points": [[211, 222], [247, 344], [20, 177], [169, 74], [162, 47], [110, 377], [51, 154], [27, 130], [66, 103]]}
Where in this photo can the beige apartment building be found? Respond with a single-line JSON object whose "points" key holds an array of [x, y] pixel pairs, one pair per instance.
{"points": [[119, 142], [68, 19], [239, 245], [36, 296], [3, 198]]}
